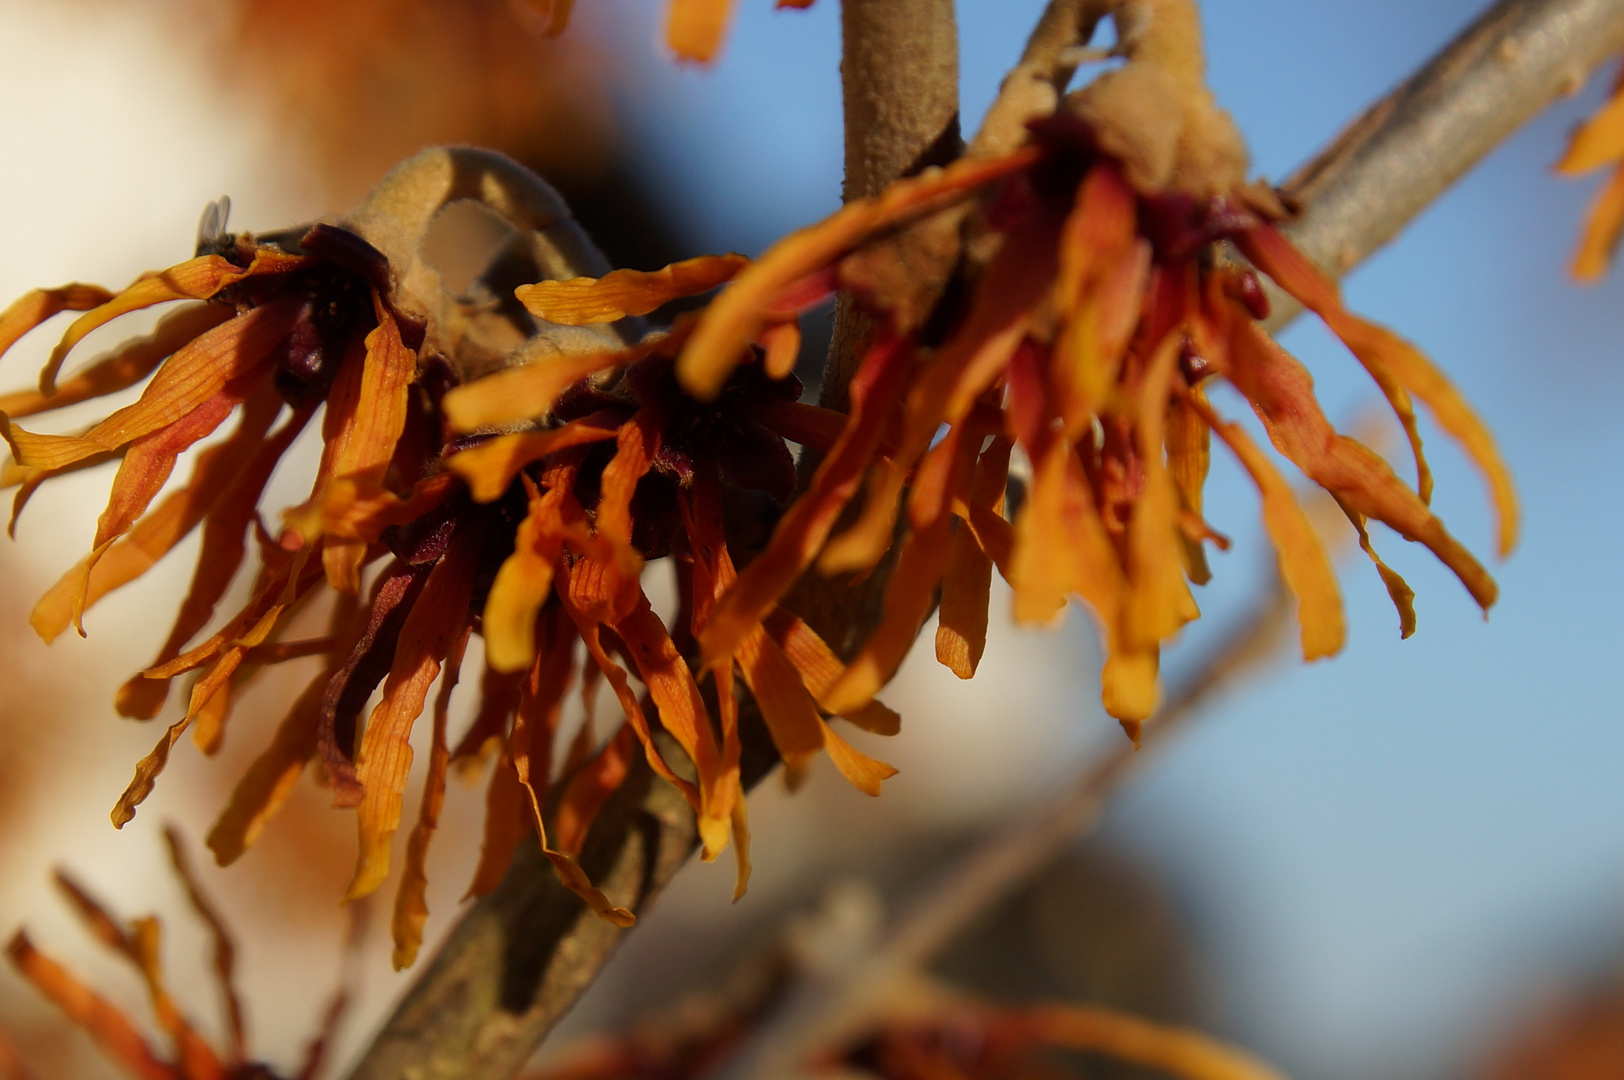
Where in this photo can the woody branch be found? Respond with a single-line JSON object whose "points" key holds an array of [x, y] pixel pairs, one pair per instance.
{"points": [[519, 957]]}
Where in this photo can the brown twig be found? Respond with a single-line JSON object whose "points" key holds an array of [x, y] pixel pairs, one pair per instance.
{"points": [[1409, 147], [519, 957]]}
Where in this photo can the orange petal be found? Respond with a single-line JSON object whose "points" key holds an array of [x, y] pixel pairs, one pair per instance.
{"points": [[735, 318], [225, 526], [195, 279], [231, 353], [1282, 393], [489, 467], [782, 342], [1158, 601], [1398, 589], [411, 897], [124, 366], [863, 772], [522, 584], [1189, 455], [1061, 545], [961, 621], [1303, 562], [432, 626], [590, 787], [1603, 226], [820, 668], [1379, 348], [806, 524], [1016, 284], [116, 1035], [591, 634], [524, 393], [269, 781], [683, 715], [39, 305], [908, 598], [1598, 141], [507, 821], [620, 293], [694, 28], [786, 705]]}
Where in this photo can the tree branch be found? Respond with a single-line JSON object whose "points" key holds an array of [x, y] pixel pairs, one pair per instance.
{"points": [[899, 78], [1409, 147], [518, 958]]}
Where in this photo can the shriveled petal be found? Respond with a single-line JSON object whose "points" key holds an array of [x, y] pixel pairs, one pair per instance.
{"points": [[1398, 589], [433, 626], [735, 318], [1282, 393], [1304, 564], [489, 467], [621, 293], [820, 668], [524, 393], [1174, 1051], [124, 366], [411, 896], [808, 521], [1379, 348], [230, 354], [195, 279], [961, 621], [100, 1018]]}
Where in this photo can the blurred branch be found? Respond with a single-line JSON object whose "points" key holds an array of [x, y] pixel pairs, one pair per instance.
{"points": [[1409, 147], [518, 958], [840, 1006]]}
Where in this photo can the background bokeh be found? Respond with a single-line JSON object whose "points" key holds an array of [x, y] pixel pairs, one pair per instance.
{"points": [[1375, 866]]}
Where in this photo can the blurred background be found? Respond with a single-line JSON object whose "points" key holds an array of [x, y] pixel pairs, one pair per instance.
{"points": [[1399, 863]]}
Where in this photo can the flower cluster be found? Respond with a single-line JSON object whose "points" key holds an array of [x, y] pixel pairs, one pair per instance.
{"points": [[524, 505], [1090, 338]]}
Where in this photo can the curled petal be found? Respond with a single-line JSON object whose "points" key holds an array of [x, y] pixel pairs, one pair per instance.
{"points": [[736, 317], [195, 279], [621, 293], [1282, 394], [1304, 564], [1603, 227], [1380, 349], [489, 467], [230, 354], [1598, 141]]}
